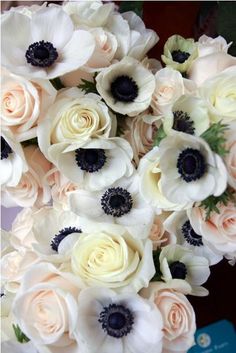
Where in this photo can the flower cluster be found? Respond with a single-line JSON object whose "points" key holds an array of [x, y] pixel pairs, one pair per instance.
{"points": [[125, 169]]}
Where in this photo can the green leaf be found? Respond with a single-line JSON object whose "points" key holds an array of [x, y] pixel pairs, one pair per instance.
{"points": [[211, 203], [57, 84], [21, 337], [135, 6], [215, 137], [89, 86], [33, 141], [157, 276], [160, 135], [226, 23]]}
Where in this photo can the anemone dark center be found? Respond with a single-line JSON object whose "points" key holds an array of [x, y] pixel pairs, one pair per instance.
{"points": [[191, 164], [116, 202], [116, 320], [178, 270], [124, 89], [180, 56], [5, 149], [91, 160], [182, 122], [190, 235], [63, 233], [41, 54]]}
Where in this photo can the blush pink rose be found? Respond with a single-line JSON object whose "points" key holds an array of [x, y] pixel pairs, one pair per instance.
{"points": [[158, 235], [32, 189], [219, 231], [230, 158], [24, 103]]}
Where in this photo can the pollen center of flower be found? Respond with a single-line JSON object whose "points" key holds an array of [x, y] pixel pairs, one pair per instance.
{"points": [[41, 54], [182, 122], [117, 320], [5, 149], [191, 164], [180, 56], [91, 160], [124, 89], [116, 202], [61, 235], [190, 236], [178, 270]]}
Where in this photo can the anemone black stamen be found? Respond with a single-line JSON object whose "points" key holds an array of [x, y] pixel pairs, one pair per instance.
{"points": [[90, 160], [41, 54], [124, 89], [190, 235], [191, 164], [61, 235], [183, 122], [116, 320], [5, 149], [116, 202], [178, 270], [180, 56]]}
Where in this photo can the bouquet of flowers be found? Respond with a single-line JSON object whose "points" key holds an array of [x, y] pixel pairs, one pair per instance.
{"points": [[125, 169]]}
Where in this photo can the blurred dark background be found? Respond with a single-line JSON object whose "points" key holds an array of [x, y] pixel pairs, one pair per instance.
{"points": [[192, 19]]}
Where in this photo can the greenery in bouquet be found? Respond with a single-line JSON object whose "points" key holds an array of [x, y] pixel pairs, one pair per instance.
{"points": [[125, 170]]}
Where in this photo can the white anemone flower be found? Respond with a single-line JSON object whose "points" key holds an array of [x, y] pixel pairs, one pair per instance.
{"points": [[178, 224], [180, 264], [121, 203], [189, 114], [109, 322], [45, 45], [94, 165], [54, 231], [13, 163], [126, 86], [190, 171]]}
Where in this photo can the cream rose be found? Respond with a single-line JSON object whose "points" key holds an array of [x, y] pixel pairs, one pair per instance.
{"points": [[24, 104], [230, 158], [109, 257], [46, 308], [32, 190], [219, 231], [21, 232], [220, 94], [140, 134], [179, 323]]}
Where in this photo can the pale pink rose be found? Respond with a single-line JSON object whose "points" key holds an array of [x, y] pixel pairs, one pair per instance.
{"points": [[46, 308], [207, 66], [219, 231], [21, 232], [230, 158], [60, 188], [33, 189], [13, 267], [178, 317], [140, 134], [158, 235], [24, 103], [74, 78]]}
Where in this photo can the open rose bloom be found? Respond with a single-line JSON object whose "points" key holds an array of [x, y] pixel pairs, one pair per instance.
{"points": [[124, 172]]}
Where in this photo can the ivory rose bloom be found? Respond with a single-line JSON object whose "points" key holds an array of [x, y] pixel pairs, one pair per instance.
{"points": [[219, 231], [32, 188], [46, 308], [220, 94], [109, 256], [75, 117], [230, 157], [21, 233], [179, 323], [24, 104]]}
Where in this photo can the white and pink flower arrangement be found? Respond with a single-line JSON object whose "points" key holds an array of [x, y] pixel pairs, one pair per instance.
{"points": [[125, 169]]}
